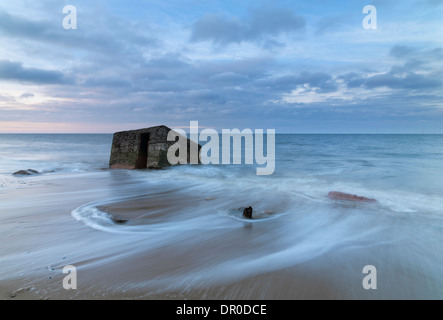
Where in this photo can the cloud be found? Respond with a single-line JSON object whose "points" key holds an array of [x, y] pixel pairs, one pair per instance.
{"points": [[21, 27], [218, 29], [400, 51], [407, 52], [432, 3], [321, 81], [308, 96], [228, 78], [263, 26], [145, 65], [27, 95], [410, 81], [94, 35], [421, 70], [268, 21], [15, 71], [330, 24]]}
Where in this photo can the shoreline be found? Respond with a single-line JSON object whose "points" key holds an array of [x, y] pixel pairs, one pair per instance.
{"points": [[182, 244]]}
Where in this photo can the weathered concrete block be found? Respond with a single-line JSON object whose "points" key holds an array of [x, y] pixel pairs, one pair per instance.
{"points": [[141, 149]]}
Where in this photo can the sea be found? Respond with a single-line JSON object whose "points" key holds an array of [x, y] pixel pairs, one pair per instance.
{"points": [[186, 230]]}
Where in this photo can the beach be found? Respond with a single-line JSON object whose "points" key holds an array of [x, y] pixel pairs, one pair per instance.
{"points": [[185, 236]]}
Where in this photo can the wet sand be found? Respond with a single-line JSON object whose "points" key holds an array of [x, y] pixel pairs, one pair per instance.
{"points": [[176, 246], [41, 239]]}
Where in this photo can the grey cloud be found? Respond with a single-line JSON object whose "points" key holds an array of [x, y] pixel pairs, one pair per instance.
{"points": [[330, 24], [267, 21], [400, 51], [321, 81], [228, 78], [392, 80], [263, 25], [15, 71], [19, 27], [348, 76], [406, 52], [204, 95], [352, 79], [253, 68], [107, 82], [410, 81], [418, 71], [93, 36], [171, 86], [218, 29], [418, 61], [111, 60], [165, 83], [27, 95], [168, 61], [431, 3], [105, 52], [356, 82], [7, 98], [174, 73]]}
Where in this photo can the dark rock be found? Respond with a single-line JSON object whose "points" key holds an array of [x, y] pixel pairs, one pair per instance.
{"points": [[247, 212], [28, 172], [118, 220], [21, 173]]}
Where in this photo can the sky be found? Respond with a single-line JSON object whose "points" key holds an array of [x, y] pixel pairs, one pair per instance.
{"points": [[292, 66]]}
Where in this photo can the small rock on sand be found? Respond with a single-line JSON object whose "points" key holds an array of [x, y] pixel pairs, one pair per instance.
{"points": [[28, 172], [19, 292]]}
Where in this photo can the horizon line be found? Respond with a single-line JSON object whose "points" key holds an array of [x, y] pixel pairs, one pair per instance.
{"points": [[293, 133]]}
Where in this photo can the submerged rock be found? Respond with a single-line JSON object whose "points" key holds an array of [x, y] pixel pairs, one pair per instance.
{"points": [[349, 197], [117, 220], [28, 172], [20, 291], [247, 212]]}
